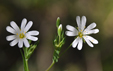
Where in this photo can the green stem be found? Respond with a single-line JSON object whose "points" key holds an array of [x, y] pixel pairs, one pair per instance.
{"points": [[26, 63], [65, 50], [23, 59], [59, 38], [26, 68], [50, 66]]}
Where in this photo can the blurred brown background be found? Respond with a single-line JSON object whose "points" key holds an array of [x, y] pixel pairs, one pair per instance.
{"points": [[44, 13]]}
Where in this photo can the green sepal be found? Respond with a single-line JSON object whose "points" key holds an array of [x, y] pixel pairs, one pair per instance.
{"points": [[58, 22], [55, 41], [62, 34], [29, 41], [31, 49], [62, 42], [83, 40], [59, 31]]}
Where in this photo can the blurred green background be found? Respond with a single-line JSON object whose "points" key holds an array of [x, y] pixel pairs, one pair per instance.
{"points": [[44, 13]]}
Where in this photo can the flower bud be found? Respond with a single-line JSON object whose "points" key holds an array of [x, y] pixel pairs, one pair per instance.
{"points": [[58, 21], [59, 29]]}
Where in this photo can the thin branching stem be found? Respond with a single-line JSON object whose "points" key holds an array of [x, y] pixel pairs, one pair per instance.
{"points": [[50, 66], [65, 50]]}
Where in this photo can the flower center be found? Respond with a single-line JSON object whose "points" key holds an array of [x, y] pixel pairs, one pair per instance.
{"points": [[80, 34], [21, 35]]}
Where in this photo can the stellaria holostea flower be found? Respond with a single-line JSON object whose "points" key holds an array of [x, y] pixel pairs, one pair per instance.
{"points": [[20, 35], [82, 33]]}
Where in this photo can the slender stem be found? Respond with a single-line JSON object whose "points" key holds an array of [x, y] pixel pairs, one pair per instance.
{"points": [[26, 63], [65, 50], [23, 59], [59, 38], [26, 68], [50, 66]]}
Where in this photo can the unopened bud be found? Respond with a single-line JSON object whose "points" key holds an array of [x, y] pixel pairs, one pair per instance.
{"points": [[58, 21], [59, 29]]}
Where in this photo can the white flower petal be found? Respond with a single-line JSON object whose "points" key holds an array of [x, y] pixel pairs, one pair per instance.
{"points": [[23, 23], [94, 41], [26, 43], [80, 44], [11, 30], [14, 25], [88, 42], [69, 33], [75, 42], [20, 43], [83, 22], [14, 42], [33, 33], [60, 26], [91, 26], [94, 31], [71, 28], [78, 21], [28, 26], [31, 37], [11, 37]]}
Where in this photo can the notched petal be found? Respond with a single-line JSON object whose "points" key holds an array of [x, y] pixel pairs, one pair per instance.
{"points": [[33, 33], [11, 30], [69, 33], [11, 37], [28, 26], [80, 44]]}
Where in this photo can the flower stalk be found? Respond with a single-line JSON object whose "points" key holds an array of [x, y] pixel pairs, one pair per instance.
{"points": [[50, 66], [27, 52], [26, 60], [58, 43]]}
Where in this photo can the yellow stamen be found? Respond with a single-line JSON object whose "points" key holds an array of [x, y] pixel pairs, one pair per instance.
{"points": [[21, 36], [17, 34], [80, 34]]}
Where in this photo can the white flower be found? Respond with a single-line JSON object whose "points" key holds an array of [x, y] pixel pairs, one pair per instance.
{"points": [[20, 35], [82, 33]]}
